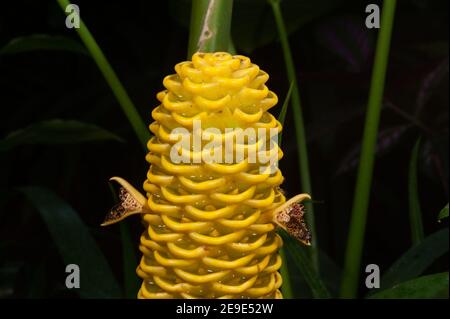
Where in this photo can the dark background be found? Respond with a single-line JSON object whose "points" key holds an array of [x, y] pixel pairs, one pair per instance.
{"points": [[143, 40]]}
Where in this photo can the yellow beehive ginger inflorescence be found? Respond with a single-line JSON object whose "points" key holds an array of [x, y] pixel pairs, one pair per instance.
{"points": [[210, 233], [210, 226]]}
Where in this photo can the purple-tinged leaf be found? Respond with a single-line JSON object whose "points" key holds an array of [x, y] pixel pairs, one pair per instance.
{"points": [[386, 139], [349, 39], [429, 83]]}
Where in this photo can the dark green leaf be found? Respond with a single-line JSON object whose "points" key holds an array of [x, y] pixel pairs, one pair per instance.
{"points": [[57, 132], [286, 289], [9, 271], [42, 42], [426, 287], [129, 258], [415, 213], [129, 262], [38, 280], [417, 259], [303, 264], [330, 273], [443, 213], [75, 244]]}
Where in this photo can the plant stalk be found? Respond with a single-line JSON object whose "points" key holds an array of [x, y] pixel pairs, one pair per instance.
{"points": [[210, 26], [352, 264], [110, 76]]}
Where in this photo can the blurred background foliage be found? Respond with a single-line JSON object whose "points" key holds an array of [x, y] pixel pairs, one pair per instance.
{"points": [[62, 136]]}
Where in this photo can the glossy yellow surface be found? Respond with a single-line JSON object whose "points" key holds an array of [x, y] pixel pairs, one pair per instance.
{"points": [[209, 230]]}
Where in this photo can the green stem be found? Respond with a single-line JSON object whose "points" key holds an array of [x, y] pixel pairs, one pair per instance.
{"points": [[110, 76], [352, 264], [210, 26], [299, 127]]}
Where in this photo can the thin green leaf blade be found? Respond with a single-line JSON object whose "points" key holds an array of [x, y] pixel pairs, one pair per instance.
{"points": [[75, 244], [38, 42], [443, 213], [303, 263], [284, 270], [415, 213], [300, 135], [113, 81], [57, 131], [425, 287], [417, 259], [283, 111]]}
